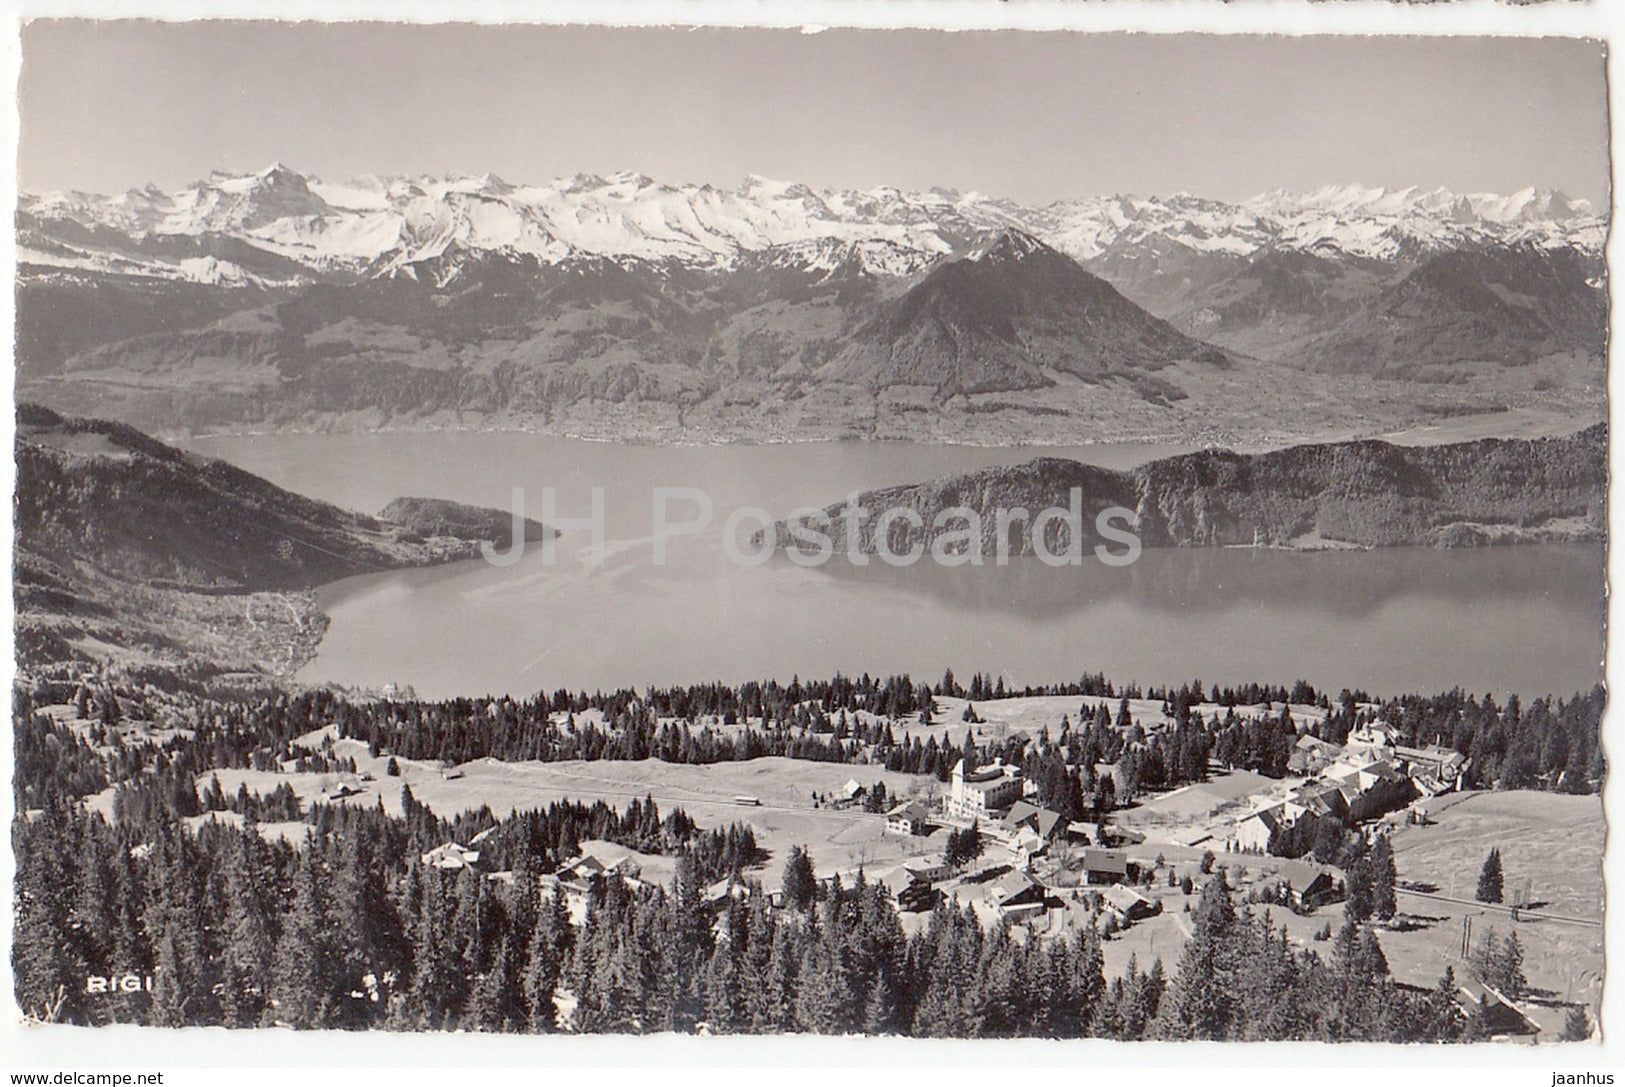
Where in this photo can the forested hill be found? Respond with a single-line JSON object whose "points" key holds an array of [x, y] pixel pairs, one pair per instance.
{"points": [[1376, 494], [1362, 493], [105, 494]]}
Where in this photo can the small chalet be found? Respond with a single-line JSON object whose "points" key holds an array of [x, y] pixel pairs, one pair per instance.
{"points": [[897, 881], [926, 869], [451, 856], [719, 894], [849, 794], [1254, 830], [909, 819], [1326, 801], [1311, 754], [1368, 744], [1432, 769], [1309, 885], [1377, 773], [1048, 825], [1127, 904], [1014, 890], [578, 872], [918, 898], [1024, 845]]}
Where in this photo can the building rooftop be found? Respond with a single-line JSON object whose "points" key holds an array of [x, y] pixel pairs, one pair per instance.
{"points": [[1124, 897], [911, 809], [1010, 885], [1105, 860]]}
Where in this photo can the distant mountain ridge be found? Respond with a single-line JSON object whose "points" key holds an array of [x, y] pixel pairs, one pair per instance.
{"points": [[377, 225]]}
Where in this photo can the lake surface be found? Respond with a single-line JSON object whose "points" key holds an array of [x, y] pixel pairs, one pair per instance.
{"points": [[1526, 619]]}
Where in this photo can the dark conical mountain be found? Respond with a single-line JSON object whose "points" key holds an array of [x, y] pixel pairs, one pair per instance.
{"points": [[1012, 314]]}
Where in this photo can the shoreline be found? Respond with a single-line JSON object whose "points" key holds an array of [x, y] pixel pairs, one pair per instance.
{"points": [[1417, 433]]}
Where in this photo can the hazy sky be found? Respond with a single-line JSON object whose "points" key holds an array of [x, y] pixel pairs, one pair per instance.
{"points": [[1036, 117]]}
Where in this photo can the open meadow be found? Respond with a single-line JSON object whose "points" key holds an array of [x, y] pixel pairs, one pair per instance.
{"points": [[786, 815]]}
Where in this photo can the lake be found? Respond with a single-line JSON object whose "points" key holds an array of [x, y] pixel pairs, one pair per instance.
{"points": [[1525, 619]]}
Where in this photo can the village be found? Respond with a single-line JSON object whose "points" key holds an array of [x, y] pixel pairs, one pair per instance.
{"points": [[982, 841]]}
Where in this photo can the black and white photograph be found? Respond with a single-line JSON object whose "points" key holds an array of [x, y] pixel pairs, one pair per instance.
{"points": [[585, 530]]}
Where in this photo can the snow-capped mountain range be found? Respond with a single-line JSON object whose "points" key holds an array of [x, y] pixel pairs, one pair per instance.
{"points": [[618, 306], [376, 226]]}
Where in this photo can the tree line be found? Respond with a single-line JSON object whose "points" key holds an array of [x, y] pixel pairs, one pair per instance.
{"points": [[240, 928], [348, 929], [1550, 744]]}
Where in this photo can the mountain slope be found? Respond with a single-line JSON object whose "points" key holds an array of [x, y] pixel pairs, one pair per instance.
{"points": [[1270, 304], [133, 552], [1511, 306], [427, 518]]}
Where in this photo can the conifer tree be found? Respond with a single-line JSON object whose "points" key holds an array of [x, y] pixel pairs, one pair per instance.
{"points": [[544, 965], [1445, 1022], [879, 1012], [497, 1002], [301, 979], [246, 971], [724, 996], [90, 918], [689, 945], [1384, 879], [824, 997], [783, 980], [1490, 878], [800, 882], [1201, 999], [47, 969], [1509, 970], [432, 954], [1089, 979]]}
